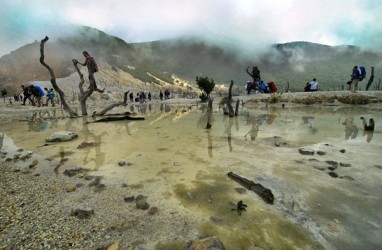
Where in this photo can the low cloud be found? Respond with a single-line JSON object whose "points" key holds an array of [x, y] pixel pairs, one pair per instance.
{"points": [[249, 25]]}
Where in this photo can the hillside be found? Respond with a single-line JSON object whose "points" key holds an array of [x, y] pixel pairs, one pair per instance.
{"points": [[156, 62]]}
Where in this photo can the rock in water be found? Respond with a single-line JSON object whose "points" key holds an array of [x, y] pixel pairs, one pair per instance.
{"points": [[61, 136]]}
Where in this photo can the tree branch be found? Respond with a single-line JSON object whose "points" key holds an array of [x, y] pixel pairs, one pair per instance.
{"points": [[65, 105]]}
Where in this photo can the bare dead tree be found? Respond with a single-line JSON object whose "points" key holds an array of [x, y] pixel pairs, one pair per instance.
{"points": [[110, 107], [83, 94], [371, 79], [209, 114], [65, 105]]}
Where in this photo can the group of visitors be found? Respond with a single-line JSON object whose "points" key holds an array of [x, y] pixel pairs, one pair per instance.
{"points": [[143, 96], [165, 95], [358, 74], [257, 84], [311, 86], [35, 94]]}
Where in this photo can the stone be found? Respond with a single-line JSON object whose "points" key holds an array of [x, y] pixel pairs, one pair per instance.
{"points": [[70, 189], [114, 246], [82, 213], [209, 242], [75, 172], [121, 163], [129, 198], [33, 164], [345, 165], [342, 150], [332, 163], [333, 174], [153, 210], [142, 204], [321, 153], [304, 151], [61, 136]]}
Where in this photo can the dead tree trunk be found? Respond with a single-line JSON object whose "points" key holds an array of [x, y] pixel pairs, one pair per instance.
{"points": [[209, 114], [110, 107], [265, 193], [65, 105], [371, 79], [83, 94]]}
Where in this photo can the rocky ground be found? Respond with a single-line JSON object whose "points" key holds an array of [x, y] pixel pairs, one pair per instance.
{"points": [[76, 211]]}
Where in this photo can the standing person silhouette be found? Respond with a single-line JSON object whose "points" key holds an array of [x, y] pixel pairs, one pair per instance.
{"points": [[255, 74], [92, 68]]}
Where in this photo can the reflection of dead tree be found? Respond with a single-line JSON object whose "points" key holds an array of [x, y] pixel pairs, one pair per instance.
{"points": [[237, 107], [209, 138], [99, 155], [229, 133], [229, 100], [65, 105], [371, 79], [2, 140]]}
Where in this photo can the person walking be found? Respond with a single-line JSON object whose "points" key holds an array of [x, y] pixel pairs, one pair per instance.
{"points": [[49, 96], [27, 95], [354, 79]]}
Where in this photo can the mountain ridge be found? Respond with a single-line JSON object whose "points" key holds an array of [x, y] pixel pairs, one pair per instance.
{"points": [[294, 63]]}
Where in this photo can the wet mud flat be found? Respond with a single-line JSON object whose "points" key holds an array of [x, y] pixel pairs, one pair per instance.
{"points": [[160, 188]]}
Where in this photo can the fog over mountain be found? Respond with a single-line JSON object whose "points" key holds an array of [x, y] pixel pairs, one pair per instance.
{"points": [[187, 57]]}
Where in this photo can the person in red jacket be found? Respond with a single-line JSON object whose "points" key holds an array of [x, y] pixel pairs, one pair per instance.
{"points": [[272, 87], [92, 66]]}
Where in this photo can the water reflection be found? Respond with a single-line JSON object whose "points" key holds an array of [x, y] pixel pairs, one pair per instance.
{"points": [[351, 130], [173, 145], [95, 141], [39, 122]]}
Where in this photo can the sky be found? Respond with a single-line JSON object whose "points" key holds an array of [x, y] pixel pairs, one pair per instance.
{"points": [[238, 23]]}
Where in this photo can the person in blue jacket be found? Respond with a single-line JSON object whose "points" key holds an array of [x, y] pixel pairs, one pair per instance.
{"points": [[38, 94]]}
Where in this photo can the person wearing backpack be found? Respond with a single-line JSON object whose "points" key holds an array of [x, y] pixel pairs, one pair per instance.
{"points": [[92, 66], [49, 96], [355, 76], [362, 73]]}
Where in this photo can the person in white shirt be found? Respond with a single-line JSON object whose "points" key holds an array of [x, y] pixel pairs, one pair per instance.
{"points": [[313, 85]]}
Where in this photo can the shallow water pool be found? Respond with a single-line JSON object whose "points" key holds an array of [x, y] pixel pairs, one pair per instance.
{"points": [[329, 200]]}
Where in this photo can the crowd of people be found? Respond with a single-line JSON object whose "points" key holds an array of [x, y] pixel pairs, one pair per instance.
{"points": [[257, 84], [36, 96]]}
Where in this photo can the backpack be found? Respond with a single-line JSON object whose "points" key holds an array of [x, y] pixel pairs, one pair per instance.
{"points": [[93, 64], [362, 73]]}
